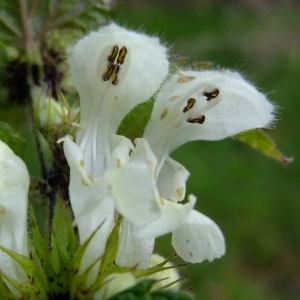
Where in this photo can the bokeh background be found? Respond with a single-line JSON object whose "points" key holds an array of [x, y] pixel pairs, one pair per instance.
{"points": [[254, 199]]}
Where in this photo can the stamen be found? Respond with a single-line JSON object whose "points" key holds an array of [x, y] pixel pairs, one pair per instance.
{"points": [[122, 55], [190, 104], [115, 59], [106, 76], [199, 120], [115, 79], [114, 54], [213, 93]]}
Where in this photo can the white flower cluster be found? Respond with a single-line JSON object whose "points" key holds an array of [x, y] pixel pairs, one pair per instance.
{"points": [[113, 70]]}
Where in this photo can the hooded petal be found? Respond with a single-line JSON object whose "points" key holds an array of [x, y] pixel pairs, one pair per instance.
{"points": [[198, 239], [206, 105], [14, 184], [143, 67], [113, 69]]}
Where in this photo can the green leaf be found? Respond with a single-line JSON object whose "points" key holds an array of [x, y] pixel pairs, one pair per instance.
{"points": [[56, 261], [30, 288], [39, 251], [78, 285], [142, 291], [10, 21], [60, 229], [133, 125], [12, 139], [263, 143], [109, 256], [4, 292], [71, 14], [26, 24], [59, 256], [54, 254]]}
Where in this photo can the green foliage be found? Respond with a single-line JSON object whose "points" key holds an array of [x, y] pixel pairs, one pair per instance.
{"points": [[133, 125], [70, 14], [142, 291], [56, 257], [260, 141], [33, 287], [34, 19], [12, 139], [11, 29]]}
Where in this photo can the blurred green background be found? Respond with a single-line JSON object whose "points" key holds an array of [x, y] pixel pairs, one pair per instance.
{"points": [[254, 200]]}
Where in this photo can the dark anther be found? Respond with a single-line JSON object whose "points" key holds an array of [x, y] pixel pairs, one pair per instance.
{"points": [[122, 55], [199, 120], [115, 59], [212, 94], [190, 104], [114, 54]]}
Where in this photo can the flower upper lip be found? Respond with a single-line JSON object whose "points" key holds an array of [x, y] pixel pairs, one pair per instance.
{"points": [[205, 105], [113, 70]]}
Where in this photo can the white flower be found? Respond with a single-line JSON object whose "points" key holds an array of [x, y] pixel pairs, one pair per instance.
{"points": [[206, 105], [113, 70], [14, 183]]}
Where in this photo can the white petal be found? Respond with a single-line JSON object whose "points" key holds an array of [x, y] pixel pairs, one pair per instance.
{"points": [[172, 179], [102, 215], [14, 183], [238, 107], [133, 251], [85, 190], [91, 204], [172, 215], [198, 239], [104, 104], [133, 185]]}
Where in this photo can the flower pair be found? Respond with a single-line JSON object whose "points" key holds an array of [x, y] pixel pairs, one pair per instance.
{"points": [[113, 179], [113, 70]]}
